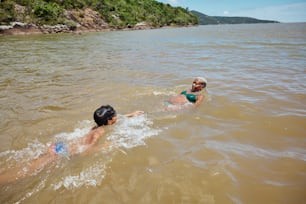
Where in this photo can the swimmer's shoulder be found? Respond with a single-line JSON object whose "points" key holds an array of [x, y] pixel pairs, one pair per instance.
{"points": [[97, 130], [94, 134]]}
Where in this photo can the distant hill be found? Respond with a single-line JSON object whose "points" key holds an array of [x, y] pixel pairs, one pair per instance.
{"points": [[213, 20]]}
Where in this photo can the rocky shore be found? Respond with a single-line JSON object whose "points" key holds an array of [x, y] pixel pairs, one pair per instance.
{"points": [[18, 28], [78, 22]]}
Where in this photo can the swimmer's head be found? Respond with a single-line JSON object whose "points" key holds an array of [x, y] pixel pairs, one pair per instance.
{"points": [[105, 115], [202, 80]]}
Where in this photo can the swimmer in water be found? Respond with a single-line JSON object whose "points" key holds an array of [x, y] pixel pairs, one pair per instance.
{"points": [[189, 97], [105, 115]]}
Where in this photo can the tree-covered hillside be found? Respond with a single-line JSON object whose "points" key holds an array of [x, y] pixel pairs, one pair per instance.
{"points": [[212, 20], [116, 13]]}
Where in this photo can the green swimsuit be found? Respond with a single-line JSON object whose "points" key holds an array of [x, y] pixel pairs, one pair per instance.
{"points": [[190, 97]]}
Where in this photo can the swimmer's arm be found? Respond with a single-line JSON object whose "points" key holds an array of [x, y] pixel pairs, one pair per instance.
{"points": [[199, 100], [133, 114]]}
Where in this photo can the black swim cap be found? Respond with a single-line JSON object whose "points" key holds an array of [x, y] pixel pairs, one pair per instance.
{"points": [[103, 114]]}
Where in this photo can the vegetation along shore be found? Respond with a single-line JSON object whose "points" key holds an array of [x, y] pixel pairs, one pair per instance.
{"points": [[54, 16], [75, 16]]}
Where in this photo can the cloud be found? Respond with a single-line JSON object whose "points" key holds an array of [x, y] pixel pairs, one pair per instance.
{"points": [[173, 1], [225, 13], [294, 12]]}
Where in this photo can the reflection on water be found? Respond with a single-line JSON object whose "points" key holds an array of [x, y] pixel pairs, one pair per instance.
{"points": [[245, 144]]}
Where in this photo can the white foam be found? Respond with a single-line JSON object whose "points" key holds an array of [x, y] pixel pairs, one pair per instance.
{"points": [[132, 132], [157, 93], [91, 176], [31, 192], [84, 128], [32, 151], [126, 133]]}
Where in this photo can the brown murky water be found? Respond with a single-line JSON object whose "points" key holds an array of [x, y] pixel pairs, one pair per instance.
{"points": [[245, 144]]}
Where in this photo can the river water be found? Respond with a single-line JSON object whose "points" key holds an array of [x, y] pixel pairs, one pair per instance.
{"points": [[246, 143]]}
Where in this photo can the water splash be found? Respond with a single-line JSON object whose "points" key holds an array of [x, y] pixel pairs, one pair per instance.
{"points": [[11, 158], [126, 133], [91, 176], [165, 93], [82, 129], [132, 132]]}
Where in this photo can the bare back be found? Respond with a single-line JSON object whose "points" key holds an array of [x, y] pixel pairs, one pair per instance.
{"points": [[87, 142]]}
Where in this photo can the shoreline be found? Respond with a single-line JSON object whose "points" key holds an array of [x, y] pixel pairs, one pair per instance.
{"points": [[18, 28]]}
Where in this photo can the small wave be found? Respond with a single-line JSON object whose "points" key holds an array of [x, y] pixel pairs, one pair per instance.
{"points": [[158, 93], [83, 129], [32, 151], [31, 192], [246, 150], [51, 108], [91, 176], [275, 183]]}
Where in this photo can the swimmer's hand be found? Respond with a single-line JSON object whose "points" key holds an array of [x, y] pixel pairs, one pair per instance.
{"points": [[135, 113]]}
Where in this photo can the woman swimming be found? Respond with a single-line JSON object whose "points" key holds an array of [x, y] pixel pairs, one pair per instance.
{"points": [[105, 115], [186, 98]]}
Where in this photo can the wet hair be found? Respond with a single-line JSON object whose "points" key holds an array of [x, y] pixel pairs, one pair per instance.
{"points": [[103, 114]]}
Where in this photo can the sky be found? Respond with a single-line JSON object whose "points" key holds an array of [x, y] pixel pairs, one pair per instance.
{"points": [[278, 10]]}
